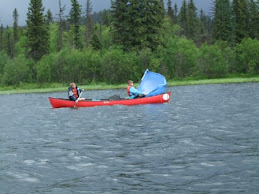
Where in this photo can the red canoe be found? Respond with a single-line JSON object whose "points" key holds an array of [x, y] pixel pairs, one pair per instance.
{"points": [[62, 103]]}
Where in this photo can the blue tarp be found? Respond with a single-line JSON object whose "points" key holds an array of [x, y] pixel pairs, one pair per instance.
{"points": [[152, 83]]}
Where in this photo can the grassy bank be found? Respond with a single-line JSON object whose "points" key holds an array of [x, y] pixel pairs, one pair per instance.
{"points": [[35, 88], [212, 81]]}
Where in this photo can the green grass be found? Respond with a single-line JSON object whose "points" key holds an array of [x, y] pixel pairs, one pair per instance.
{"points": [[35, 88], [212, 81]]}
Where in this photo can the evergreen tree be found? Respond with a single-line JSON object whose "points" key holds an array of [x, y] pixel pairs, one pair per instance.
{"points": [[222, 22], [106, 17], [137, 23], [257, 21], [75, 14], [9, 45], [88, 24], [37, 31], [61, 23], [120, 20], [203, 21], [15, 25], [254, 19], [170, 11], [175, 13], [1, 37], [162, 4], [183, 18], [241, 19], [192, 21], [49, 17], [205, 27], [154, 14], [95, 41]]}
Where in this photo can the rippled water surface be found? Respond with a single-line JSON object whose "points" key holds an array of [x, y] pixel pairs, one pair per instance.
{"points": [[205, 140]]}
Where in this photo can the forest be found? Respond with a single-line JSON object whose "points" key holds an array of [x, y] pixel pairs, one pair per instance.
{"points": [[118, 44]]}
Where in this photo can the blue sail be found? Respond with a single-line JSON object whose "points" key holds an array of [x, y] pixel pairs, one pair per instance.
{"points": [[152, 83]]}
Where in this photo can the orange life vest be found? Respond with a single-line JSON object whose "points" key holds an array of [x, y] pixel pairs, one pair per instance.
{"points": [[128, 90], [75, 93]]}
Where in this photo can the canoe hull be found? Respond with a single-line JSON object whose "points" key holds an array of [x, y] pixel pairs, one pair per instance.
{"points": [[64, 103]]}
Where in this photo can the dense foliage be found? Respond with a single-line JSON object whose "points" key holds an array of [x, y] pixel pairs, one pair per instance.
{"points": [[141, 26], [223, 21], [37, 32], [115, 45]]}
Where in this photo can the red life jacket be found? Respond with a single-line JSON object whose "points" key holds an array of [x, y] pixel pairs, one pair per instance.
{"points": [[128, 90], [75, 93]]}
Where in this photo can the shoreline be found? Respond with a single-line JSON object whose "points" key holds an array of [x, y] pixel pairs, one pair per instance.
{"points": [[172, 83]]}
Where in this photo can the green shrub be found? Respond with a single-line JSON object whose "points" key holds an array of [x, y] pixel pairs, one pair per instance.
{"points": [[4, 59], [181, 57], [44, 68], [17, 71], [212, 61], [248, 56], [90, 70], [117, 66]]}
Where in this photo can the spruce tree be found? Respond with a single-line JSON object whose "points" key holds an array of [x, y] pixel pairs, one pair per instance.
{"points": [[37, 31], [206, 21], [203, 21], [137, 23], [49, 17], [15, 25], [183, 18], [205, 27], [192, 21], [9, 44], [176, 13], [106, 17], [61, 24], [222, 22], [120, 22], [88, 24], [254, 19], [1, 37], [75, 14], [203, 31], [95, 41], [256, 23], [162, 4], [154, 14], [241, 19], [170, 11]]}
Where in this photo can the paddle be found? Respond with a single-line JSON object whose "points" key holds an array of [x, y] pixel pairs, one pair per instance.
{"points": [[78, 98]]}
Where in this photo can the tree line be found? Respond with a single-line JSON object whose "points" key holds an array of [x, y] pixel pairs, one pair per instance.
{"points": [[118, 44]]}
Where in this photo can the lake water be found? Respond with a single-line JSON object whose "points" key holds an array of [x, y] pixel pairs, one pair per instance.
{"points": [[205, 140]]}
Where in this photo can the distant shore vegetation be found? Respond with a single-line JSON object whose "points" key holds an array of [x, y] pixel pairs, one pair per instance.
{"points": [[57, 87]]}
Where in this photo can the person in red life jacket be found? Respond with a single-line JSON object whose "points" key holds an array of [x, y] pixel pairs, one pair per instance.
{"points": [[133, 92], [74, 92]]}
